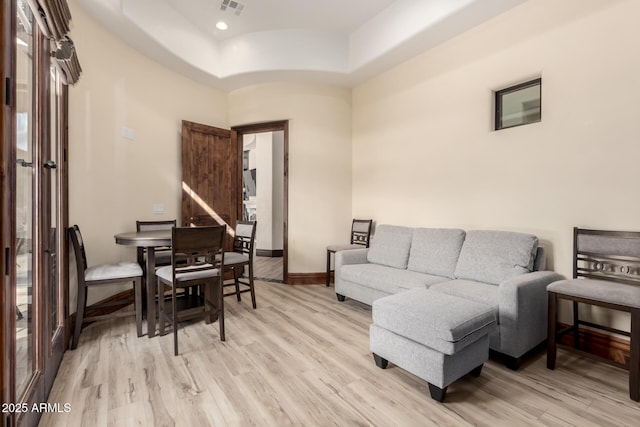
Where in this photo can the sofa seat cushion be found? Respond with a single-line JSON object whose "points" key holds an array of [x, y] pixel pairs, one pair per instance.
{"points": [[496, 256], [386, 279], [442, 322], [435, 250], [483, 293], [390, 246]]}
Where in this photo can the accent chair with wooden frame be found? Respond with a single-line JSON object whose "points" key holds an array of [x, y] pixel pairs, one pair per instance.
{"points": [[242, 255], [360, 238], [197, 260], [99, 275], [606, 273]]}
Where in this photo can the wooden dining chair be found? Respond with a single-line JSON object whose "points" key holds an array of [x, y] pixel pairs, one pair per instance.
{"points": [[100, 275], [606, 273], [202, 249], [241, 256], [360, 238], [162, 254]]}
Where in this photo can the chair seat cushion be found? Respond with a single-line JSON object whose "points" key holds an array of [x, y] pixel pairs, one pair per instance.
{"points": [[112, 271], [231, 258], [166, 273], [442, 322], [343, 247], [599, 290]]}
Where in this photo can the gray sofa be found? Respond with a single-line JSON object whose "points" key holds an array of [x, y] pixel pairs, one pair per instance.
{"points": [[501, 269]]}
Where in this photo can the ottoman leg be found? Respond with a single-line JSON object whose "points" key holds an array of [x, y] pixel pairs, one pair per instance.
{"points": [[476, 371], [380, 362], [340, 297], [437, 393]]}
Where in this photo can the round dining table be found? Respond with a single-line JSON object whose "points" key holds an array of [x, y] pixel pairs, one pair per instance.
{"points": [[150, 240]]}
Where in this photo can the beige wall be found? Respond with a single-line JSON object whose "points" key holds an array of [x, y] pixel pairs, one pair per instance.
{"points": [[112, 180], [424, 150], [319, 161]]}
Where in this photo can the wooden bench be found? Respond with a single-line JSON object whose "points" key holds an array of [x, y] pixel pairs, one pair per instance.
{"points": [[606, 273]]}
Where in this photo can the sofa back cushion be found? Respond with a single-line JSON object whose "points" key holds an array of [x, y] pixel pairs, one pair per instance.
{"points": [[495, 256], [435, 250], [390, 246]]}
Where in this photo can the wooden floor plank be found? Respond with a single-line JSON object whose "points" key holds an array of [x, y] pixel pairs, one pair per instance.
{"points": [[302, 358]]}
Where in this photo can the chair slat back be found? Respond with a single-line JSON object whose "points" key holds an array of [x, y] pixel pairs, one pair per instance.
{"points": [[155, 225], [607, 255], [361, 232], [199, 247], [245, 237]]}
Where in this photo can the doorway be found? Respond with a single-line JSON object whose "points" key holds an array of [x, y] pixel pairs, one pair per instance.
{"points": [[264, 169]]}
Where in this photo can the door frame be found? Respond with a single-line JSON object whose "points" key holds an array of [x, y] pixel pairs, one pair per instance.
{"points": [[280, 125]]}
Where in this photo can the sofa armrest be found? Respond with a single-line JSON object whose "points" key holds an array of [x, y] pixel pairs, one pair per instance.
{"points": [[523, 311], [352, 256]]}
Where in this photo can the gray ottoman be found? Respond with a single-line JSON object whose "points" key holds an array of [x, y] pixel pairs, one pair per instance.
{"points": [[435, 336]]}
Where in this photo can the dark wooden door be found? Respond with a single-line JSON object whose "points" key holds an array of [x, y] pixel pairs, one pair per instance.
{"points": [[211, 180]]}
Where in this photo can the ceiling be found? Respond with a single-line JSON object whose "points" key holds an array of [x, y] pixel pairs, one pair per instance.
{"points": [[342, 42]]}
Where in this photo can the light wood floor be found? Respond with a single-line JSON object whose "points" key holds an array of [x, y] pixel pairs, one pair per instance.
{"points": [[268, 268], [302, 358]]}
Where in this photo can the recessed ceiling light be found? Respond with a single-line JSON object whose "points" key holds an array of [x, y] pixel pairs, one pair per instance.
{"points": [[222, 25]]}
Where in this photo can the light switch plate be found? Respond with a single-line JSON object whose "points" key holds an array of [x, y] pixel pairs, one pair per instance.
{"points": [[158, 209], [128, 133]]}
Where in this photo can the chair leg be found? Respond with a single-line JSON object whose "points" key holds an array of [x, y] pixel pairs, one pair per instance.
{"points": [[237, 283], [209, 301], [551, 329], [174, 314], [634, 361], [137, 290], [576, 331], [220, 306], [81, 305], [328, 268], [161, 312], [251, 287]]}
